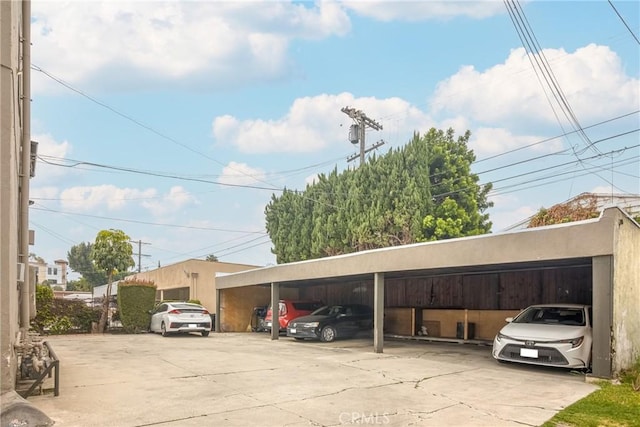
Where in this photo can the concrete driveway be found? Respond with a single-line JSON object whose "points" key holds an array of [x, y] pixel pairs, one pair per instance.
{"points": [[245, 379]]}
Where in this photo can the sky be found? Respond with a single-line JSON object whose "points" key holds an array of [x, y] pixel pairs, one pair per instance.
{"points": [[178, 121]]}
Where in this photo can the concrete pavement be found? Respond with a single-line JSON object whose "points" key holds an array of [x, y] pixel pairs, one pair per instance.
{"points": [[245, 379]]}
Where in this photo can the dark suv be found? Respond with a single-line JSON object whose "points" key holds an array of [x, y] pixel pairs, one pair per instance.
{"points": [[289, 310]]}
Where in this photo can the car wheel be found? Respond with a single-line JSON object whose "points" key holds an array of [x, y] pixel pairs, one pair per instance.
{"points": [[328, 334], [205, 333], [164, 330]]}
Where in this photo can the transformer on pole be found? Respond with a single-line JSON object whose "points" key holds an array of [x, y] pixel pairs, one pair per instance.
{"points": [[357, 131]]}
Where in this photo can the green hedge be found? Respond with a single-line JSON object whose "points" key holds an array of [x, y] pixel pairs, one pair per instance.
{"points": [[135, 300], [57, 316]]}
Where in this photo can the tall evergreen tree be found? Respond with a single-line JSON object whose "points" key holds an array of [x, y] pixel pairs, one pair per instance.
{"points": [[422, 191]]}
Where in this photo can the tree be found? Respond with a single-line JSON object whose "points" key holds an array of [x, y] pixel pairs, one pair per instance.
{"points": [[111, 253], [36, 258], [580, 208], [211, 258], [423, 191], [80, 261], [79, 285]]}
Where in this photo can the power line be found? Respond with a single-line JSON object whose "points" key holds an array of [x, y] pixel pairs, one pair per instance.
{"points": [[556, 137], [542, 68], [191, 227], [151, 173], [137, 122], [624, 22]]}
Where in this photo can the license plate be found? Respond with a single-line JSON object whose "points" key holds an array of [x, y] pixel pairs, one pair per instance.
{"points": [[292, 330], [193, 325], [529, 352], [268, 323]]}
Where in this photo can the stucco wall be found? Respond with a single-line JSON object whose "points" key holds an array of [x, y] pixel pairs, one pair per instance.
{"points": [[198, 275], [626, 293], [10, 15], [565, 241]]}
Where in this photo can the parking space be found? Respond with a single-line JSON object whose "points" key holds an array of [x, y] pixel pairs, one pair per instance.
{"points": [[247, 379]]}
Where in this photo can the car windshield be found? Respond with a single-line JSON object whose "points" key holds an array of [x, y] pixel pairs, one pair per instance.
{"points": [[552, 316], [327, 310]]}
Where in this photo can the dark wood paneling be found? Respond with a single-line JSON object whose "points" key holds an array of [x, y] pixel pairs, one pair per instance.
{"points": [[341, 293], [480, 292], [518, 290], [512, 290], [568, 285]]}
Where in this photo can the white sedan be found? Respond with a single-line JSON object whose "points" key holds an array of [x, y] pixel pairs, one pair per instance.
{"points": [[180, 317], [547, 334]]}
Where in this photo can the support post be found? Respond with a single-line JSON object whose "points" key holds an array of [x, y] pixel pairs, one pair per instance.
{"points": [[378, 312], [275, 311], [217, 318], [602, 321]]}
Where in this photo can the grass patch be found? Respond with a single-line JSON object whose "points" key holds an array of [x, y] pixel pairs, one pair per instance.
{"points": [[613, 405]]}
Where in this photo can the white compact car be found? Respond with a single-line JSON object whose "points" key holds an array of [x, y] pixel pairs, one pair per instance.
{"points": [[180, 317], [547, 334]]}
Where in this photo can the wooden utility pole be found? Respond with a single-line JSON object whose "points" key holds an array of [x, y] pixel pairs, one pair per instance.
{"points": [[139, 253], [357, 131]]}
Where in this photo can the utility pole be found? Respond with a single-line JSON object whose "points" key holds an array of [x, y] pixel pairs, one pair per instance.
{"points": [[357, 131], [139, 253]]}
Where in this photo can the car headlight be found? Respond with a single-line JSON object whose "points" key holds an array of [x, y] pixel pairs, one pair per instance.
{"points": [[575, 342], [502, 336], [311, 325]]}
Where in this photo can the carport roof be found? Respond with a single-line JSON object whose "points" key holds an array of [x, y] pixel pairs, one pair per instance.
{"points": [[572, 243]]}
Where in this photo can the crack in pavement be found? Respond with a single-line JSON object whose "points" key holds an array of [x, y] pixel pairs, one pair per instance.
{"points": [[417, 383]]}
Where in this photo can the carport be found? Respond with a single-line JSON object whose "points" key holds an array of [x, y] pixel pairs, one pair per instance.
{"points": [[482, 278]]}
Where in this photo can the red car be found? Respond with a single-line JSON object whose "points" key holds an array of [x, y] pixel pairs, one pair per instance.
{"points": [[289, 310]]}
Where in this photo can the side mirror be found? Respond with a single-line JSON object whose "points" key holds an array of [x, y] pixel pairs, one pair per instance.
{"points": [[509, 319]]}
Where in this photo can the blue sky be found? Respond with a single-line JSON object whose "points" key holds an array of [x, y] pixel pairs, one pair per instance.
{"points": [[176, 121]]}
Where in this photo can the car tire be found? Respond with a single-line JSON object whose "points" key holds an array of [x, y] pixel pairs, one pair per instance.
{"points": [[164, 330], [205, 333], [328, 334]]}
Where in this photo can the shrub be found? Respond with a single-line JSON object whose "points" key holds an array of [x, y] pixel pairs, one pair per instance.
{"points": [[135, 299], [58, 316]]}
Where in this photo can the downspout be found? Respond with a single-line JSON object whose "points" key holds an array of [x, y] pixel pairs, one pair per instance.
{"points": [[26, 162]]}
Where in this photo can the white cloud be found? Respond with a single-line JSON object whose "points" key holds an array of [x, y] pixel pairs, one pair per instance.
{"points": [[311, 179], [503, 218], [172, 202], [421, 10], [50, 150], [205, 43], [109, 196], [491, 141], [43, 193], [314, 123], [241, 174], [592, 79]]}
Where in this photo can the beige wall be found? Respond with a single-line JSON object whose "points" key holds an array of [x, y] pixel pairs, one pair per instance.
{"points": [[236, 307], [197, 275], [572, 240], [10, 16], [626, 294]]}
